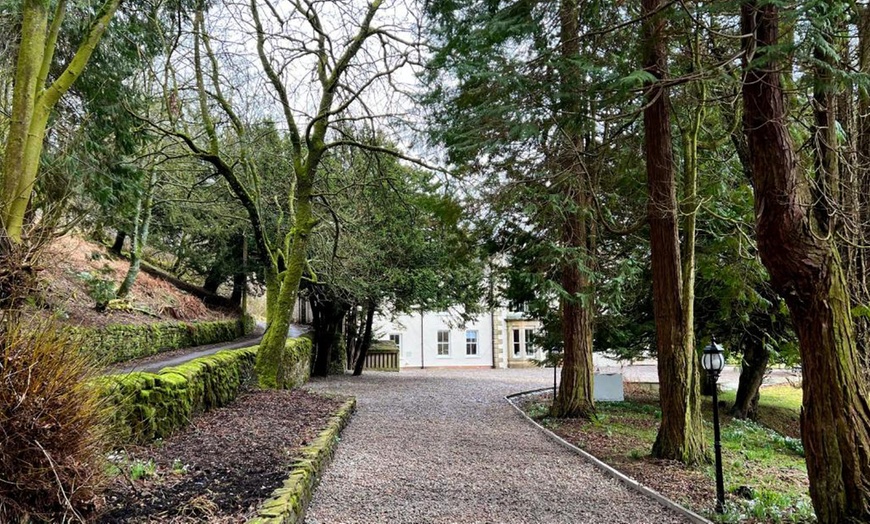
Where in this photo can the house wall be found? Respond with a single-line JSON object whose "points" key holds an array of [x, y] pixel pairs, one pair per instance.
{"points": [[413, 335], [495, 339]]}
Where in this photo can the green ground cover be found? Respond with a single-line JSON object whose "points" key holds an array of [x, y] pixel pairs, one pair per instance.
{"points": [[764, 469], [779, 408]]}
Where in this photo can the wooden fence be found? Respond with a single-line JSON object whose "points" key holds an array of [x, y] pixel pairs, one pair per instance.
{"points": [[382, 356]]}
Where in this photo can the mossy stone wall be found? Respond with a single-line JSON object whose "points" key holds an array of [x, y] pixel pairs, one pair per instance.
{"points": [[121, 342], [148, 406], [288, 504]]}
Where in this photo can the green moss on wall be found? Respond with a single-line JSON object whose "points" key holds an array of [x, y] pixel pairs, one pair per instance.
{"points": [[147, 406], [288, 504], [121, 342]]}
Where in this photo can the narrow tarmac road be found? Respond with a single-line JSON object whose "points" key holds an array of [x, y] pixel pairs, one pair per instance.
{"points": [[443, 446], [154, 363]]}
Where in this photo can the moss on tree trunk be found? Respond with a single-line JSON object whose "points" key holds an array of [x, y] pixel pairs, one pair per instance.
{"points": [[680, 435], [806, 271], [271, 358], [33, 101]]}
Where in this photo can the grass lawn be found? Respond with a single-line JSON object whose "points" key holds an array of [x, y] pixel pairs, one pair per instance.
{"points": [[779, 408], [765, 473]]}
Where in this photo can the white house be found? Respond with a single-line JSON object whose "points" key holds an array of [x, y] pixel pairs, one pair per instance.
{"points": [[497, 338]]}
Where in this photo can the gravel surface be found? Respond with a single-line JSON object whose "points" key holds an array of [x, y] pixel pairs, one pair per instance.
{"points": [[443, 446]]}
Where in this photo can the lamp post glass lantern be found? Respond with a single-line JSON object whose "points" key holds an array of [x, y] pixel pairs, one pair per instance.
{"points": [[713, 361]]}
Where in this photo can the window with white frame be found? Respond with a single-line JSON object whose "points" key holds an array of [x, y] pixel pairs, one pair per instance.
{"points": [[443, 343], [471, 342], [396, 338], [530, 348], [517, 342]]}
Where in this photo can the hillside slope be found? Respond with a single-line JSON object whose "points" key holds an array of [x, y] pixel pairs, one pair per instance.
{"points": [[74, 270]]}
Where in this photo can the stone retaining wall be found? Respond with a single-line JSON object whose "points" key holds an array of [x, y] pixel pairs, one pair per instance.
{"points": [[147, 406], [121, 342], [288, 503]]}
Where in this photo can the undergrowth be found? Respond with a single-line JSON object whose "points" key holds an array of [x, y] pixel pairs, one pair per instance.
{"points": [[51, 462]]}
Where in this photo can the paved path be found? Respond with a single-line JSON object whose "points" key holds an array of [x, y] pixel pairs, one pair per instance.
{"points": [[156, 362], [442, 446]]}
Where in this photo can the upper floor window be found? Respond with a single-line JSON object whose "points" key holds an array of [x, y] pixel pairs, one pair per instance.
{"points": [[396, 338]]}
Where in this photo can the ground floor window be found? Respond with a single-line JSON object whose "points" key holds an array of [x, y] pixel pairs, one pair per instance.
{"points": [[396, 338], [523, 343], [443, 343], [471, 342], [530, 347]]}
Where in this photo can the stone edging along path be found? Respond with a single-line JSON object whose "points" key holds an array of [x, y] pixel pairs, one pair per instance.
{"points": [[616, 474], [288, 503]]}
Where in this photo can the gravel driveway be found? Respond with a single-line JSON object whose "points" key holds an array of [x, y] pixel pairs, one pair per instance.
{"points": [[443, 446]]}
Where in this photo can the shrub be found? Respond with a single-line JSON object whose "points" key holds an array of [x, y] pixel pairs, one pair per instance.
{"points": [[101, 289], [51, 441]]}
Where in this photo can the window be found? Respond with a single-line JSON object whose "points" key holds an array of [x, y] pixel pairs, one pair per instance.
{"points": [[443, 343], [471, 342], [517, 342], [530, 348], [396, 338]]}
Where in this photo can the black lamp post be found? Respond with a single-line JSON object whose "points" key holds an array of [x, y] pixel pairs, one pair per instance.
{"points": [[713, 362]]}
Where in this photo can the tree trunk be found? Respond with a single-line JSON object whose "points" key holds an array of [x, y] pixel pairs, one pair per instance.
{"points": [[118, 244], [141, 225], [30, 57], [271, 365], [351, 336], [826, 160], [214, 278], [680, 435], [329, 315], [240, 277], [180, 248], [574, 397], [360, 331], [689, 211], [366, 340], [33, 101], [273, 288], [319, 367], [240, 280], [806, 271], [755, 359], [859, 287]]}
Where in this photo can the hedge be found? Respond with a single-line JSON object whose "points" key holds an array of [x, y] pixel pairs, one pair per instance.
{"points": [[148, 406], [121, 342]]}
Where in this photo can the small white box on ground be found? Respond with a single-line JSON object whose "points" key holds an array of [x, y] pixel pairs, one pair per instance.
{"points": [[607, 387]]}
